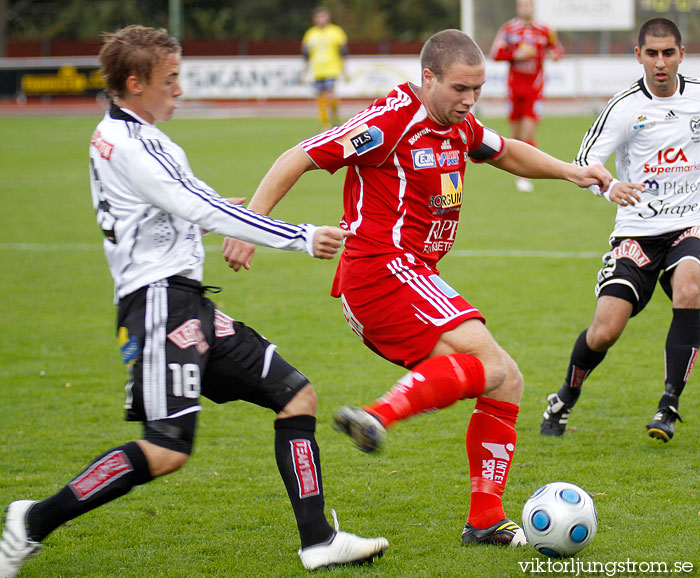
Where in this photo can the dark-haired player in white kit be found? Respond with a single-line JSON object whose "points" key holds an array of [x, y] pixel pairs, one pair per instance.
{"points": [[177, 345], [654, 129]]}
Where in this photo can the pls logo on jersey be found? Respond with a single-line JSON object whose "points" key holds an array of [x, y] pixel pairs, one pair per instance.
{"points": [[305, 468], [361, 140]]}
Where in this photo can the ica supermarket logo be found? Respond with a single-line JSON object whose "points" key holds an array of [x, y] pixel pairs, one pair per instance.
{"points": [[670, 156]]}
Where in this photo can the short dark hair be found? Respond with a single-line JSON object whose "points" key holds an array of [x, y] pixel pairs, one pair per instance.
{"points": [[134, 50], [659, 28], [447, 47]]}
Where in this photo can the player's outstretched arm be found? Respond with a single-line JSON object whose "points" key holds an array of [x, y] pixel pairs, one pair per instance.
{"points": [[587, 175], [327, 242], [525, 160], [281, 177]]}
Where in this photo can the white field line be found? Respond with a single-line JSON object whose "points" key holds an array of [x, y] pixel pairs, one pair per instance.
{"points": [[48, 247]]}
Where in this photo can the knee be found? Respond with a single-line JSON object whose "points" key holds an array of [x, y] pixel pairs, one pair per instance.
{"points": [[514, 383], [174, 461], [503, 373], [303, 403], [517, 378], [686, 296], [504, 381], [601, 337], [162, 461], [495, 373]]}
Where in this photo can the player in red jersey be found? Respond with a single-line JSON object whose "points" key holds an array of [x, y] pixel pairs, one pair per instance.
{"points": [[406, 156], [525, 43]]}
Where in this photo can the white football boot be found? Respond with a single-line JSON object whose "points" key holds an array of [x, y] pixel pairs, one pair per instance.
{"points": [[16, 546], [342, 548]]}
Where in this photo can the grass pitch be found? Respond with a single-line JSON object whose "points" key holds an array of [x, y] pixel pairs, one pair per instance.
{"points": [[528, 261]]}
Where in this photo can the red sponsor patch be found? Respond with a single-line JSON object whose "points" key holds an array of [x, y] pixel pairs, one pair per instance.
{"points": [[578, 376], [103, 147], [223, 324], [189, 334], [305, 468], [691, 363], [632, 250], [692, 232], [101, 474]]}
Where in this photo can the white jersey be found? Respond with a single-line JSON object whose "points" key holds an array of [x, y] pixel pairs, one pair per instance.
{"points": [[657, 143], [152, 209]]}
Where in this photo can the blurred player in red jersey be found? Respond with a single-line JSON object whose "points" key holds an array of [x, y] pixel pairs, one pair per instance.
{"points": [[525, 43], [405, 156]]}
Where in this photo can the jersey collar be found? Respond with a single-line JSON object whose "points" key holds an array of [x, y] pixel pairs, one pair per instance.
{"points": [[123, 114], [643, 87]]}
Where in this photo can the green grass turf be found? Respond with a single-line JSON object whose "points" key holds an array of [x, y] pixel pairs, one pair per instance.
{"points": [[226, 513]]}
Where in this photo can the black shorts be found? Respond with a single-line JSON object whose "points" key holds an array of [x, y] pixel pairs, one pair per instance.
{"points": [[178, 346], [633, 265]]}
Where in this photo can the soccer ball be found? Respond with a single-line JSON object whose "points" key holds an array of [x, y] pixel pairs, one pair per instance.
{"points": [[559, 519]]}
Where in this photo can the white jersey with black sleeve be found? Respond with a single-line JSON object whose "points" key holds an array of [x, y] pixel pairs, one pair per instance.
{"points": [[657, 143], [152, 209]]}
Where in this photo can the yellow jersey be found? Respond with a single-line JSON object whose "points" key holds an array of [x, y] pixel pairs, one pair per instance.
{"points": [[324, 48]]}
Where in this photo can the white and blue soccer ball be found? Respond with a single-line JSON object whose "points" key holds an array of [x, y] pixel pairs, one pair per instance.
{"points": [[560, 519]]}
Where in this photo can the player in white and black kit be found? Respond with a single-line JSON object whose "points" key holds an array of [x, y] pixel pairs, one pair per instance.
{"points": [[654, 129], [175, 342]]}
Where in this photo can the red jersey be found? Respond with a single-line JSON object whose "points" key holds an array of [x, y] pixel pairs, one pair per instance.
{"points": [[403, 190], [525, 75]]}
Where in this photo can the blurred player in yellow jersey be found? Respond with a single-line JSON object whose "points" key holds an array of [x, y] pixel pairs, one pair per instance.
{"points": [[324, 48]]}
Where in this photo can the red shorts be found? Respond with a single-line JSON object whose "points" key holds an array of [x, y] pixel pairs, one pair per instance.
{"points": [[398, 305], [524, 104]]}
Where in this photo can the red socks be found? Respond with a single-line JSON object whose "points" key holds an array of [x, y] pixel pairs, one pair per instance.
{"points": [[439, 382], [434, 383], [490, 445]]}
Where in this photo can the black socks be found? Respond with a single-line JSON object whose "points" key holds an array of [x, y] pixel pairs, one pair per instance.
{"points": [[299, 463], [110, 476]]}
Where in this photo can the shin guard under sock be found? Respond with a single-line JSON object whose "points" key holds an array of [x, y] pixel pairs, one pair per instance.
{"points": [[434, 383], [491, 441], [299, 464]]}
